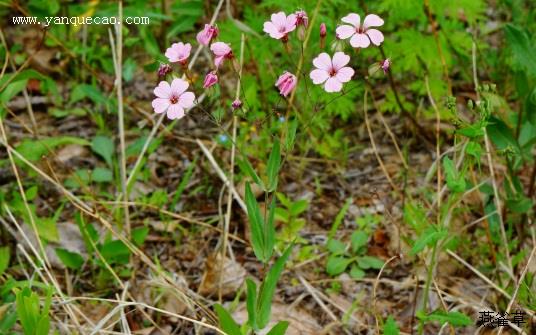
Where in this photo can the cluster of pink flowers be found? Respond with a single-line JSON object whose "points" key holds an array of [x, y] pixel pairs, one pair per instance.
{"points": [[332, 72], [174, 99]]}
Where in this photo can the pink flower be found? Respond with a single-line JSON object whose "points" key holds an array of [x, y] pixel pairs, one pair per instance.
{"points": [[301, 18], [236, 104], [280, 25], [172, 99], [210, 80], [286, 83], [221, 52], [332, 72], [361, 35], [178, 52], [385, 65], [206, 35]]}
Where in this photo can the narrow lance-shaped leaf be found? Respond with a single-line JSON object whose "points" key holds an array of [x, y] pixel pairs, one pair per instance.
{"points": [[246, 168], [269, 231], [256, 223], [251, 303], [279, 329], [274, 162], [291, 134], [268, 287], [227, 324]]}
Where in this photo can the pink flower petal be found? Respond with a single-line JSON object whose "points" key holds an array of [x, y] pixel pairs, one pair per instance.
{"points": [[218, 60], [323, 62], [372, 20], [333, 85], [353, 19], [279, 19], [375, 35], [186, 100], [360, 41], [345, 74], [340, 59], [345, 31], [290, 22], [319, 76], [163, 90], [175, 112], [272, 30], [178, 86], [220, 48], [160, 105]]}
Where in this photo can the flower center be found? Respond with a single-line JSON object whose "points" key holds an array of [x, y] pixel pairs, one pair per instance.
{"points": [[173, 99], [360, 30], [332, 72], [282, 29]]}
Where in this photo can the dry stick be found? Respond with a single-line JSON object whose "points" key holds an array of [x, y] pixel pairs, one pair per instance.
{"points": [[519, 282], [222, 175], [231, 177], [23, 196], [373, 143], [42, 261], [82, 206], [117, 54], [491, 169], [375, 287]]}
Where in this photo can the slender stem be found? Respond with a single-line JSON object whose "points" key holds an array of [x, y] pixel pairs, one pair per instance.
{"points": [[429, 276]]}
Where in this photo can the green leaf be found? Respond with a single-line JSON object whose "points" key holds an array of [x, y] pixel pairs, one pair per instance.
{"points": [[369, 262], [34, 150], [337, 264], [359, 239], [501, 135], [47, 229], [356, 272], [298, 207], [12, 89], [70, 259], [455, 182], [336, 247], [82, 91], [227, 324], [251, 303], [339, 218], [269, 231], [115, 251], [429, 237], [454, 318], [522, 49], [474, 149], [246, 168], [102, 175], [274, 163], [279, 329], [256, 223], [104, 147], [390, 327], [267, 289], [4, 259], [184, 182], [139, 235]]}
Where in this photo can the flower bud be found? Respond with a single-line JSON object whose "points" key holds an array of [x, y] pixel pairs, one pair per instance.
{"points": [[286, 83], [385, 65], [210, 80], [163, 70], [323, 33], [206, 35], [236, 104]]}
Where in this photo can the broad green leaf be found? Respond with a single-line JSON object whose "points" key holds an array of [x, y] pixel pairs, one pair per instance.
{"points": [[256, 223], [336, 247], [70, 259], [139, 235], [298, 207], [429, 237], [4, 259], [227, 324], [47, 229], [522, 49], [390, 327], [115, 251], [279, 329], [501, 135], [474, 149], [359, 239], [251, 303], [454, 318], [34, 150], [337, 265], [82, 91], [102, 175], [274, 163], [369, 262], [104, 147], [356, 272], [267, 289]]}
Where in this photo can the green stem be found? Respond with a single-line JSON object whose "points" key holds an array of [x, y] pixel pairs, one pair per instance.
{"points": [[427, 285]]}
